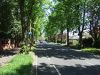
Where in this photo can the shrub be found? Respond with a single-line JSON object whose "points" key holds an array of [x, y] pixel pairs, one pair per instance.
{"points": [[77, 46], [26, 48], [87, 42], [97, 43]]}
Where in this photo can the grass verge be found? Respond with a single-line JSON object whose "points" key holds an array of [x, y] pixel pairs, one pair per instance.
{"points": [[91, 50], [21, 64]]}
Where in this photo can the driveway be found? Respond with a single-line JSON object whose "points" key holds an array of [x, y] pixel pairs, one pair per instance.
{"points": [[59, 60]]}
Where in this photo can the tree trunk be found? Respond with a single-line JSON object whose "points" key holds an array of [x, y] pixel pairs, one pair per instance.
{"points": [[81, 30], [67, 36], [22, 14], [80, 40], [56, 38], [30, 18], [61, 36]]}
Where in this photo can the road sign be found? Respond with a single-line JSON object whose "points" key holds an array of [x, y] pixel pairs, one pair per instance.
{"points": [[29, 33]]}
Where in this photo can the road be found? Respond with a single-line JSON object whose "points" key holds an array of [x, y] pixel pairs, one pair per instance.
{"points": [[60, 60]]}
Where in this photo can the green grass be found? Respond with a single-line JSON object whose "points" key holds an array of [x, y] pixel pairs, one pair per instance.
{"points": [[91, 50], [20, 65]]}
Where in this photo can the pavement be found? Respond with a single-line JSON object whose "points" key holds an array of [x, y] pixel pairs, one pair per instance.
{"points": [[52, 59]]}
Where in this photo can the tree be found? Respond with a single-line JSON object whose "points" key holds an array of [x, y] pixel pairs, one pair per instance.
{"points": [[94, 18], [72, 15], [6, 19], [22, 14], [65, 16]]}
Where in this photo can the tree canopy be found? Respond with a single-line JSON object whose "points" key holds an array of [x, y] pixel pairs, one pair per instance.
{"points": [[48, 17]]}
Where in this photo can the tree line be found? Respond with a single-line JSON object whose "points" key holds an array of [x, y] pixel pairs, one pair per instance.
{"points": [[76, 16], [20, 19]]}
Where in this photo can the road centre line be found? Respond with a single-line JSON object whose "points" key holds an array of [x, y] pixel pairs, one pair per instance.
{"points": [[54, 66], [56, 69], [51, 65]]}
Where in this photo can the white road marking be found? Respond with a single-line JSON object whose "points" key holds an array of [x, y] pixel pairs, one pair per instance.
{"points": [[56, 69], [54, 66], [49, 65]]}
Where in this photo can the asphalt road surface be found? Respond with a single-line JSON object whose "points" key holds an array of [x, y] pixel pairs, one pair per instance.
{"points": [[59, 60]]}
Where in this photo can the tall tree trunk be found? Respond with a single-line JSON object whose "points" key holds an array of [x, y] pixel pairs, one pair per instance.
{"points": [[22, 14], [82, 29], [80, 39], [67, 36], [31, 19], [61, 36], [56, 36]]}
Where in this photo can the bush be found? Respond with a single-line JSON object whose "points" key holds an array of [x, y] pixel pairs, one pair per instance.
{"points": [[87, 42], [26, 48], [97, 43], [59, 41], [77, 46]]}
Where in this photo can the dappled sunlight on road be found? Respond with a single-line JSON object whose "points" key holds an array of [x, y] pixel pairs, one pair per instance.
{"points": [[60, 60], [63, 52]]}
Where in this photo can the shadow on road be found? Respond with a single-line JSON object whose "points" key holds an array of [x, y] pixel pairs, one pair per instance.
{"points": [[79, 70], [59, 51], [44, 69]]}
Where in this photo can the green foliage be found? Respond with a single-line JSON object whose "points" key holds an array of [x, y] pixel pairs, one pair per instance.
{"points": [[41, 8], [22, 16], [49, 17], [10, 26], [65, 15], [26, 48], [89, 49], [75, 46], [87, 42], [6, 19], [94, 17], [97, 43], [20, 65], [92, 50]]}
